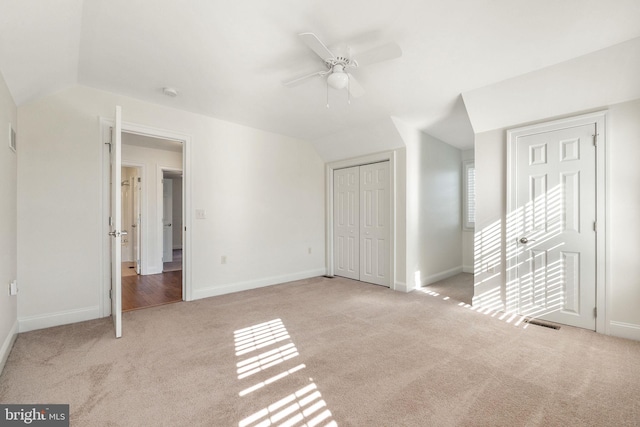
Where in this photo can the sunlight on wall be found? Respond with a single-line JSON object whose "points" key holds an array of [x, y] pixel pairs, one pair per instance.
{"points": [[303, 407]]}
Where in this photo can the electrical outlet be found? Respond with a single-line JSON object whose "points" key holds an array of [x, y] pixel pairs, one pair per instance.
{"points": [[223, 259], [13, 288], [201, 214]]}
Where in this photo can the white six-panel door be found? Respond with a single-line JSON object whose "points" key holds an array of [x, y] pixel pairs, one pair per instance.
{"points": [[361, 223], [553, 226], [346, 217], [374, 223]]}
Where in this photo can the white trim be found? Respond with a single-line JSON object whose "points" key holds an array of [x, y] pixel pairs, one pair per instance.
{"points": [[441, 276], [139, 129], [468, 269], [624, 330], [7, 345], [213, 291], [598, 118], [26, 324], [401, 287], [389, 156]]}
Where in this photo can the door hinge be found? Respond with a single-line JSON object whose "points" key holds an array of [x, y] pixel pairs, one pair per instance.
{"points": [[110, 294], [595, 226], [110, 221], [595, 140], [595, 311]]}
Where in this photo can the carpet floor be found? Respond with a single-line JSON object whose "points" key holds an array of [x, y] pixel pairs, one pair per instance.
{"points": [[326, 352]]}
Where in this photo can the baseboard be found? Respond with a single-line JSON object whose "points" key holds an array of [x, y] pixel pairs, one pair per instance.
{"points": [[442, 275], [401, 287], [213, 291], [624, 330], [7, 345], [49, 320], [468, 269]]}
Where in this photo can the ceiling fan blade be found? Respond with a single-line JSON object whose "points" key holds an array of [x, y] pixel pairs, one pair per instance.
{"points": [[378, 54], [355, 89], [296, 80], [314, 43]]}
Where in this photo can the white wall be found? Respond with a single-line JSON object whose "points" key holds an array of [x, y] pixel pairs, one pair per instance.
{"points": [[624, 210], [152, 161], [623, 182], [263, 195], [434, 232], [8, 222]]}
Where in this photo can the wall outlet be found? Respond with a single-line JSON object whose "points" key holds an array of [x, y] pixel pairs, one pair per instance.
{"points": [[13, 288], [223, 259], [201, 214]]}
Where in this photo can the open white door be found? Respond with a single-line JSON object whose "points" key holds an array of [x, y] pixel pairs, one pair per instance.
{"points": [[116, 223], [137, 190], [167, 220]]}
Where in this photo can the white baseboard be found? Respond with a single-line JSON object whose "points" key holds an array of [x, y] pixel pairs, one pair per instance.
{"points": [[624, 330], [401, 287], [468, 269], [48, 320], [213, 291], [442, 275], [7, 345]]}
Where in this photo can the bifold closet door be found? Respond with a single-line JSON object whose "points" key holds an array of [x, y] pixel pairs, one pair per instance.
{"points": [[361, 223], [374, 223], [346, 220]]}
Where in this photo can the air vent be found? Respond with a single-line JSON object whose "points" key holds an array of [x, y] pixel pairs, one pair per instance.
{"points": [[543, 324]]}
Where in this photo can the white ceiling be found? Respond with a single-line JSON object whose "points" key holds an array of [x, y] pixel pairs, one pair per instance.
{"points": [[228, 59]]}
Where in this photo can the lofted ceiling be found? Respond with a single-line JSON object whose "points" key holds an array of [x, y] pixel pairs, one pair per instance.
{"points": [[228, 59]]}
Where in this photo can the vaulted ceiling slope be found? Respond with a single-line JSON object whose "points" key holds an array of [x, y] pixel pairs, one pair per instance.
{"points": [[229, 59]]}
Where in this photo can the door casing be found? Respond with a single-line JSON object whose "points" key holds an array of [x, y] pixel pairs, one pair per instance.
{"points": [[600, 120], [389, 156], [134, 128]]}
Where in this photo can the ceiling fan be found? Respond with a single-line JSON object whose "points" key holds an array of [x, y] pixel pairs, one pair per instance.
{"points": [[338, 64]]}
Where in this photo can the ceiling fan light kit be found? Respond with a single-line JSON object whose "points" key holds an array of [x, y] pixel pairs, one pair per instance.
{"points": [[338, 76]]}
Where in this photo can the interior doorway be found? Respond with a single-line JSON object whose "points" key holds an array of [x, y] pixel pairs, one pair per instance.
{"points": [[152, 210]]}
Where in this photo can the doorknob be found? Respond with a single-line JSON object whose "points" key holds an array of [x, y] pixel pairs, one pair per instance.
{"points": [[116, 233], [525, 240]]}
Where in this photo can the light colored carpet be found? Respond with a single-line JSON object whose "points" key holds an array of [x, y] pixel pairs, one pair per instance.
{"points": [[458, 287], [326, 352]]}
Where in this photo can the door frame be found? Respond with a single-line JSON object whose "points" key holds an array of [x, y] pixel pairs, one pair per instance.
{"points": [[389, 156], [143, 211], [105, 124], [598, 118]]}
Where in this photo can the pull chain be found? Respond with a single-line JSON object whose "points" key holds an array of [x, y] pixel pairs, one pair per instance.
{"points": [[327, 93]]}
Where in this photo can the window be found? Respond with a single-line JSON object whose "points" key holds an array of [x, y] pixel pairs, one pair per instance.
{"points": [[469, 195]]}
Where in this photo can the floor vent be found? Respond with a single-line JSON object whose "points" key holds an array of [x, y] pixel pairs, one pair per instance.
{"points": [[543, 324]]}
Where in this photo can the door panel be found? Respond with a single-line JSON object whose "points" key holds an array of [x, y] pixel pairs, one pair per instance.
{"points": [[554, 216], [374, 224], [167, 220], [346, 213], [116, 223], [137, 223]]}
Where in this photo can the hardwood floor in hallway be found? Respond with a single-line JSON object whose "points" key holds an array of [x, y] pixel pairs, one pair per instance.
{"points": [[151, 290]]}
